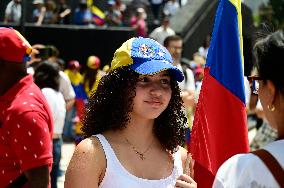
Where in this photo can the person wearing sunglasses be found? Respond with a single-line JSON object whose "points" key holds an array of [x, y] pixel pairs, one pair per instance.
{"points": [[263, 167]]}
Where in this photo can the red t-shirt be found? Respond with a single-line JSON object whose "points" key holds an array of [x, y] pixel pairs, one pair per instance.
{"points": [[26, 129]]}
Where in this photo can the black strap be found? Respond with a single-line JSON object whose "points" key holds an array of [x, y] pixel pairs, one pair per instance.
{"points": [[272, 164], [19, 182]]}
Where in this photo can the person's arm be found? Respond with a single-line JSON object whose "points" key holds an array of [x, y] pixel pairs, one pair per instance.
{"points": [[65, 13], [69, 104], [5, 20], [7, 13], [41, 16], [67, 90], [38, 177], [87, 166], [184, 180]]}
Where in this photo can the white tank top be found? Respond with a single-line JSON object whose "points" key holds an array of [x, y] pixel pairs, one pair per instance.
{"points": [[117, 176]]}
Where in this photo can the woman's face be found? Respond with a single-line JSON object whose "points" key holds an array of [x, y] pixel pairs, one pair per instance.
{"points": [[153, 94]]}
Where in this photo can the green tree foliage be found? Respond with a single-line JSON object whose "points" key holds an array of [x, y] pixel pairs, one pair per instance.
{"points": [[278, 12], [272, 13]]}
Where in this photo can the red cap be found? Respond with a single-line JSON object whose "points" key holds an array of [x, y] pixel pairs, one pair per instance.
{"points": [[13, 46], [74, 64]]}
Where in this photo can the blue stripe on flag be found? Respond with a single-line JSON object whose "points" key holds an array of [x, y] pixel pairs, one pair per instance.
{"points": [[224, 57]]}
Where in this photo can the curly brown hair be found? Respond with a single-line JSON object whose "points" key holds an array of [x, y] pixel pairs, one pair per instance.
{"points": [[110, 106]]}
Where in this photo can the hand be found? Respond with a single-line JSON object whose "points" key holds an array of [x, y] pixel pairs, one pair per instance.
{"points": [[185, 181], [34, 53]]}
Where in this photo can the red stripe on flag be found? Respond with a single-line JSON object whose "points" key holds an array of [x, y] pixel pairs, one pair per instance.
{"points": [[218, 132]]}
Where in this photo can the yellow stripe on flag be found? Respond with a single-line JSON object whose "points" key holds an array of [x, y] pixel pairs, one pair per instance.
{"points": [[238, 5], [98, 12]]}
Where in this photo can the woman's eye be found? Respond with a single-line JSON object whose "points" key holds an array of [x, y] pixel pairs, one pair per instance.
{"points": [[143, 79], [165, 82]]}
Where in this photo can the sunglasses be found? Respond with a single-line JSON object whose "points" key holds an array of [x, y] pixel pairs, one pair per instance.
{"points": [[254, 83]]}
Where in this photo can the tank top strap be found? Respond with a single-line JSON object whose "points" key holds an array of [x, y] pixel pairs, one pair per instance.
{"points": [[109, 153]]}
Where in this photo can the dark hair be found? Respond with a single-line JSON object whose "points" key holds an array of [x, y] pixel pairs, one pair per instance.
{"points": [[269, 55], [110, 105], [171, 38], [90, 77], [54, 50], [47, 75]]}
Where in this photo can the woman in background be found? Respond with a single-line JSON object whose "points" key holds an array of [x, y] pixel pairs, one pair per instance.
{"points": [[46, 77]]}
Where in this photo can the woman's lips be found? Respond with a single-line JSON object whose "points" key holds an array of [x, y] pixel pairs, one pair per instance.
{"points": [[154, 103]]}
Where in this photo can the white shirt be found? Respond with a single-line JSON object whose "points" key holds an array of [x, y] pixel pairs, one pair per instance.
{"points": [[190, 83], [65, 86], [160, 34], [116, 175], [57, 105], [171, 8], [247, 170], [247, 90], [13, 12]]}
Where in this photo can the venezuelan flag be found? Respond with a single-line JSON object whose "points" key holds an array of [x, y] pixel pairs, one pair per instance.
{"points": [[98, 14], [219, 128]]}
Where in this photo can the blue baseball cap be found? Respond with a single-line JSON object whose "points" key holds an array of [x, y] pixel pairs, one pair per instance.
{"points": [[146, 57]]}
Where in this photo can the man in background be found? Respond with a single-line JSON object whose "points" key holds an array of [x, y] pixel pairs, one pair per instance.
{"points": [[13, 12], [160, 33], [26, 124], [174, 44]]}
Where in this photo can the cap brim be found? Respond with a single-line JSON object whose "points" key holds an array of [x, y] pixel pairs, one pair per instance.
{"points": [[156, 66]]}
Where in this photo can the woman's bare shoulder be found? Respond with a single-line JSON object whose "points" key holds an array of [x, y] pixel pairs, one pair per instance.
{"points": [[89, 145], [87, 164]]}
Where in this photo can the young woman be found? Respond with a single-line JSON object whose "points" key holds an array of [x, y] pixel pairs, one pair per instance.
{"points": [[134, 123]]}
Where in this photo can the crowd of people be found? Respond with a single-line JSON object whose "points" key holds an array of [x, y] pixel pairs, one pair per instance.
{"points": [[148, 88], [116, 14]]}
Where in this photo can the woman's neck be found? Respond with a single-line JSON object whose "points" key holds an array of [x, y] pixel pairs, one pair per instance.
{"points": [[139, 130]]}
